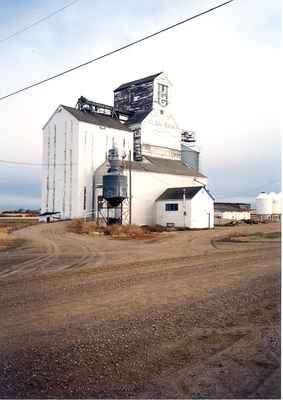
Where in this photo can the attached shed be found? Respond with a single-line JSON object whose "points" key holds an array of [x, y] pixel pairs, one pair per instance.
{"points": [[49, 216], [189, 207], [149, 179]]}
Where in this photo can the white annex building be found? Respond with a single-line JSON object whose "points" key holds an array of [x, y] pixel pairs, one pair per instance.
{"points": [[189, 207], [156, 154]]}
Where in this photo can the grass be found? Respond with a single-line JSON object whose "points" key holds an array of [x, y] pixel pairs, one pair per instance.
{"points": [[7, 241], [128, 232], [262, 235], [116, 231], [15, 224], [257, 236]]}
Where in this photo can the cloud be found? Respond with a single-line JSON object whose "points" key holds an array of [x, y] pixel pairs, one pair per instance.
{"points": [[10, 202], [19, 187], [224, 67]]}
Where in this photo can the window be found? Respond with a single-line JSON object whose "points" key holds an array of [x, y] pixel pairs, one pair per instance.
{"points": [[162, 95], [163, 88], [171, 207], [85, 198]]}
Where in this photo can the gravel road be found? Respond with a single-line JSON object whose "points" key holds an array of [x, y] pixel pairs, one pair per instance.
{"points": [[184, 316]]}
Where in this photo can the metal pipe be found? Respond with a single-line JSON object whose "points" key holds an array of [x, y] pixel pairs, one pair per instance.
{"points": [[130, 187]]}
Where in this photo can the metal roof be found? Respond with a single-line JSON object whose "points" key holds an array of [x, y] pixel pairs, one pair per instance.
{"points": [[96, 119], [178, 193], [138, 81], [49, 213], [238, 207], [163, 166]]}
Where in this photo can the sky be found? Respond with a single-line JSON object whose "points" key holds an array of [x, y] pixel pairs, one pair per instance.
{"points": [[225, 68]]}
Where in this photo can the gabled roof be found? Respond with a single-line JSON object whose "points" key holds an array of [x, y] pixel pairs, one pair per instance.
{"points": [[96, 119], [178, 193], [163, 166], [49, 213], [138, 81]]}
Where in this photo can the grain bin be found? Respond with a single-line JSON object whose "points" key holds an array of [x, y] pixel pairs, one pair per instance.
{"points": [[114, 183], [276, 206], [263, 204], [114, 188], [280, 201]]}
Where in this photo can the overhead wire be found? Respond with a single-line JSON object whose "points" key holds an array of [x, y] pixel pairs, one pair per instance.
{"points": [[26, 28], [154, 175], [31, 164], [17, 163], [109, 53]]}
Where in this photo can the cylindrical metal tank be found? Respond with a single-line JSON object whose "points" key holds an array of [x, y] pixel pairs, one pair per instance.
{"points": [[190, 156], [280, 201], [263, 204], [276, 203], [114, 188]]}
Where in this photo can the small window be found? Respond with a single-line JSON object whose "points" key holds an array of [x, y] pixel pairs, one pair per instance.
{"points": [[85, 198], [171, 207], [161, 112], [163, 88]]}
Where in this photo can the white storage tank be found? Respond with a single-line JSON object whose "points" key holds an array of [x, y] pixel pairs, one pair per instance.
{"points": [[280, 201], [276, 206], [264, 204]]}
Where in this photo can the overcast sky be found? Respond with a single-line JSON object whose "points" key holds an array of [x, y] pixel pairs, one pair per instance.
{"points": [[224, 66]]}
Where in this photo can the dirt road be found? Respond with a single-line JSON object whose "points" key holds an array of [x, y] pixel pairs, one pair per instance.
{"points": [[184, 316]]}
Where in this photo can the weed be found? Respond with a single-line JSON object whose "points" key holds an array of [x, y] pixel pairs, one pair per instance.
{"points": [[117, 231]]}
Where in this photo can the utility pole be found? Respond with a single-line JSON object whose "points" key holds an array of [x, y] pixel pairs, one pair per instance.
{"points": [[130, 187], [184, 206]]}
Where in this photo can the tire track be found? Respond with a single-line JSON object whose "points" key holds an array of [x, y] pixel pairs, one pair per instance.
{"points": [[51, 246]]}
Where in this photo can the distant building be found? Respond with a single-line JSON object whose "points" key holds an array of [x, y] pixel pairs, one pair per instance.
{"points": [[49, 217], [232, 211], [77, 142]]}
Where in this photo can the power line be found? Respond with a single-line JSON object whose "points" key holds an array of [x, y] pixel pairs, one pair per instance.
{"points": [[116, 50], [30, 164], [20, 163], [26, 28]]}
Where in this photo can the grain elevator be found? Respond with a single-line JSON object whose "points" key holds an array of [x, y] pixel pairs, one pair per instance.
{"points": [[123, 155]]}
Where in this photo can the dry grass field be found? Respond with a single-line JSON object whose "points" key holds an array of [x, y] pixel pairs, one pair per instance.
{"points": [[7, 240], [182, 315]]}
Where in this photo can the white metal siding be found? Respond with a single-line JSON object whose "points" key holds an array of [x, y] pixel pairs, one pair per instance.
{"points": [[202, 210], [60, 156], [72, 150], [177, 218], [159, 128], [147, 187]]}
